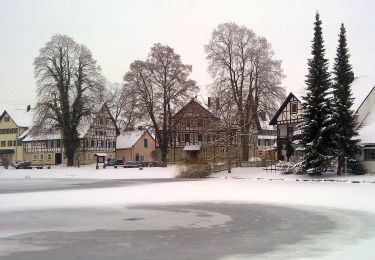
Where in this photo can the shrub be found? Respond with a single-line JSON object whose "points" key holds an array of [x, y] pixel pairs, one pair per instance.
{"points": [[356, 167], [201, 170]]}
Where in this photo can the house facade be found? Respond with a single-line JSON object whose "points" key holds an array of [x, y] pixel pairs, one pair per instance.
{"points": [[135, 146], [13, 125], [366, 131], [287, 119], [197, 135], [97, 135]]}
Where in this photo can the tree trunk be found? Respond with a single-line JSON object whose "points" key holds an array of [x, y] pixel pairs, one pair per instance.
{"points": [[164, 152], [340, 165], [245, 142]]}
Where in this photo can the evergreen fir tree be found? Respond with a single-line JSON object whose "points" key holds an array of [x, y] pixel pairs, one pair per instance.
{"points": [[317, 127], [345, 143]]}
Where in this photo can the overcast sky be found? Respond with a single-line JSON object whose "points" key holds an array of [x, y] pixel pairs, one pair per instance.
{"points": [[119, 32]]}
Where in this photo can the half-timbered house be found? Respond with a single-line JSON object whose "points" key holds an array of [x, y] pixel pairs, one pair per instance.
{"points": [[97, 135], [197, 135], [287, 118]]}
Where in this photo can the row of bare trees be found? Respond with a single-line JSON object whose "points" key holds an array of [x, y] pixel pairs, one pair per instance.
{"points": [[71, 86]]}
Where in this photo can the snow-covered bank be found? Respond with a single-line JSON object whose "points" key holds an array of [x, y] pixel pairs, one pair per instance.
{"points": [[89, 172]]}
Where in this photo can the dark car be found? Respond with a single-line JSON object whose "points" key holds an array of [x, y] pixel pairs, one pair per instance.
{"points": [[115, 163]]}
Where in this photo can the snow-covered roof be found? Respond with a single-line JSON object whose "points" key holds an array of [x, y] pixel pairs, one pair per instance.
{"points": [[367, 129], [23, 134], [128, 139], [361, 87], [55, 135], [21, 117]]}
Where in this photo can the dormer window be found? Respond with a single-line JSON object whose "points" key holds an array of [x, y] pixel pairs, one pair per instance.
{"points": [[294, 108]]}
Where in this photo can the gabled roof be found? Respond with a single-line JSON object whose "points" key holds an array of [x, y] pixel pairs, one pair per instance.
{"points": [[361, 87], [129, 138], [367, 128], [193, 102], [83, 127], [281, 108], [20, 117]]}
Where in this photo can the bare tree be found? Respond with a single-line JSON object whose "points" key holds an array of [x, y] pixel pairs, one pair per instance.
{"points": [[161, 86], [123, 106], [225, 109], [70, 90], [243, 65]]}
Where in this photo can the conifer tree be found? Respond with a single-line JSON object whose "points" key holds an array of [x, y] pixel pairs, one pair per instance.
{"points": [[316, 129], [345, 143]]}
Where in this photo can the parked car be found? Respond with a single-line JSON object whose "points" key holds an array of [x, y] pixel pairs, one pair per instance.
{"points": [[115, 163], [21, 164]]}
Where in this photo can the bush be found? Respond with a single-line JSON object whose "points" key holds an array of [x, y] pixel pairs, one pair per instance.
{"points": [[201, 170], [357, 167]]}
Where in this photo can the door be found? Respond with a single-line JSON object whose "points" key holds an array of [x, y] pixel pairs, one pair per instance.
{"points": [[58, 158]]}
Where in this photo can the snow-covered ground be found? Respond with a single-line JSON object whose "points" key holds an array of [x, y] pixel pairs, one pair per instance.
{"points": [[243, 185], [89, 172]]}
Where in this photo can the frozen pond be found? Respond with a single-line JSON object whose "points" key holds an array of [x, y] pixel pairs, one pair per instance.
{"points": [[180, 231]]}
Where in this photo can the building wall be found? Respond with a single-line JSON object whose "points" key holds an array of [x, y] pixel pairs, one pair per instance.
{"points": [[48, 158], [208, 154], [8, 133], [130, 154], [124, 154]]}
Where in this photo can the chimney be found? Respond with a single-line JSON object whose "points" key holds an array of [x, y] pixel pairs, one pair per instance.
{"points": [[28, 108], [140, 127], [209, 102]]}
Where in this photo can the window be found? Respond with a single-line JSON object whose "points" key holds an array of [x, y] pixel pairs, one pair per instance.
{"points": [[10, 143], [369, 154], [137, 157], [49, 157], [3, 143], [41, 156], [200, 138], [142, 158], [89, 156], [145, 143], [294, 108], [187, 138], [58, 143], [35, 157], [92, 142], [200, 122], [6, 119], [223, 152]]}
